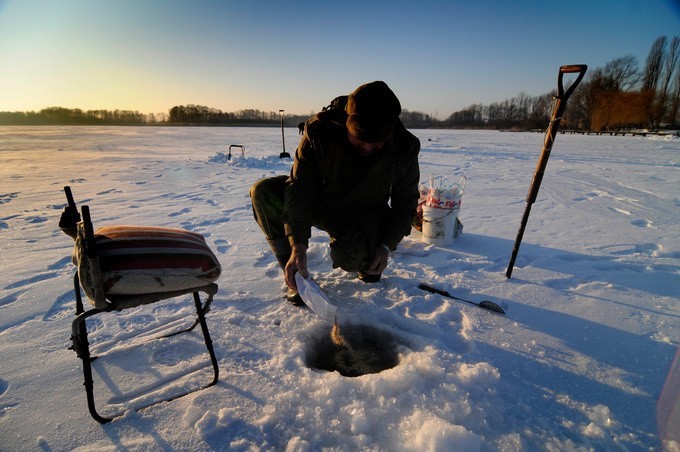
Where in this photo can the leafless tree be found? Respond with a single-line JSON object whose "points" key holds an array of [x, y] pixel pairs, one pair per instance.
{"points": [[622, 73], [659, 71], [654, 64], [675, 102], [666, 96]]}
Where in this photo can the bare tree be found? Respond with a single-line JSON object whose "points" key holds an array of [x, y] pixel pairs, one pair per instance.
{"points": [[666, 96], [675, 101], [671, 63], [652, 84], [654, 64], [622, 73]]}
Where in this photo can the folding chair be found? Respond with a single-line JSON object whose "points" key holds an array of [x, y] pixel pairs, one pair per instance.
{"points": [[122, 267]]}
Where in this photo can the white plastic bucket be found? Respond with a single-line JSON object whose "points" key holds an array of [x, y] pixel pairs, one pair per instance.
{"points": [[439, 225]]}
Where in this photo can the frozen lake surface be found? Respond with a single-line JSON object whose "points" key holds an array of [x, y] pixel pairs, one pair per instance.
{"points": [[585, 357]]}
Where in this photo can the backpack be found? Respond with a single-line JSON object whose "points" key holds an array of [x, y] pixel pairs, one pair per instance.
{"points": [[333, 112], [338, 102]]}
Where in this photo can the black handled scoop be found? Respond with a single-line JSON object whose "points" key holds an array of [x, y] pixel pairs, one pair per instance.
{"points": [[486, 304]]}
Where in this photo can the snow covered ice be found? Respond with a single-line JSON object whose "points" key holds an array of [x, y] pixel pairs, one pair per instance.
{"points": [[585, 357]]}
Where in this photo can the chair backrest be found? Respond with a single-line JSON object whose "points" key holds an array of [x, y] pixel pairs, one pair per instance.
{"points": [[89, 268], [70, 217]]}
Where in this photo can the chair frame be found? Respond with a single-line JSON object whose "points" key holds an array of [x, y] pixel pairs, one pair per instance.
{"points": [[79, 335]]}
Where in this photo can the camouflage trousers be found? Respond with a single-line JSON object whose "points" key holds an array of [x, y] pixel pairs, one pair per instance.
{"points": [[352, 240]]}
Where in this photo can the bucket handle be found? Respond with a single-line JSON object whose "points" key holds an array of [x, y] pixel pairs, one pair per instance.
{"points": [[462, 183], [430, 221]]}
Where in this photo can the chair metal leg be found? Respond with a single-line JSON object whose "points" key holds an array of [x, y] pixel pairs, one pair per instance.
{"points": [[81, 345], [204, 309], [82, 349], [200, 311], [76, 290]]}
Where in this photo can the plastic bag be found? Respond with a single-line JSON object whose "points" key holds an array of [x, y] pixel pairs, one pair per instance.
{"points": [[314, 297], [439, 193], [443, 194]]}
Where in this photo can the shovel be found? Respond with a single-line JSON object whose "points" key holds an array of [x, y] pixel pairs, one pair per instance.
{"points": [[560, 104]]}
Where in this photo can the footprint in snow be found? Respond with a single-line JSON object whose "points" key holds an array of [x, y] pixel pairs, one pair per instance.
{"points": [[223, 245], [36, 219], [588, 196], [106, 192], [168, 357], [60, 308], [11, 298], [185, 210], [61, 263], [32, 280], [641, 223], [7, 197], [263, 260], [5, 407]]}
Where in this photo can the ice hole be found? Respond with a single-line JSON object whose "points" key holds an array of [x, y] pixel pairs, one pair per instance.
{"points": [[368, 350]]}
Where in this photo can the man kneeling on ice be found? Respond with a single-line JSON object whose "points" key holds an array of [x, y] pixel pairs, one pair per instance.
{"points": [[355, 176]]}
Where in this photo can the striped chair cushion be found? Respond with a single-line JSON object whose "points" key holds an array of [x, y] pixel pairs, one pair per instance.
{"points": [[145, 259]]}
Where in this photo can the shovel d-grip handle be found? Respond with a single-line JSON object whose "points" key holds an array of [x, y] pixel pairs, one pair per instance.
{"points": [[570, 69]]}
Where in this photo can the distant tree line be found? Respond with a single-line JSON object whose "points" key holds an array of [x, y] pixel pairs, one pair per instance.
{"points": [[616, 96], [75, 116], [199, 114], [521, 112], [178, 115]]}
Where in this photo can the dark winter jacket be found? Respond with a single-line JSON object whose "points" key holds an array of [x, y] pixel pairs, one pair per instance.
{"points": [[330, 180]]}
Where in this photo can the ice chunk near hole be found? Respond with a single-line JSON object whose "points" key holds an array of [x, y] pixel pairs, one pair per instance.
{"points": [[424, 431]]}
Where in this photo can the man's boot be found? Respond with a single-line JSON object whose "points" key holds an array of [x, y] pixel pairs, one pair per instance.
{"points": [[368, 278]]}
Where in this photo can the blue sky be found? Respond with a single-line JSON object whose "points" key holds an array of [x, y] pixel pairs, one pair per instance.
{"points": [[438, 56]]}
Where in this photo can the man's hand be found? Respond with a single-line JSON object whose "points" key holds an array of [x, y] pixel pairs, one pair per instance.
{"points": [[296, 263], [379, 262]]}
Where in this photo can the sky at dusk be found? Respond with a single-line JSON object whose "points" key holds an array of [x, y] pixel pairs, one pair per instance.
{"points": [[438, 56]]}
